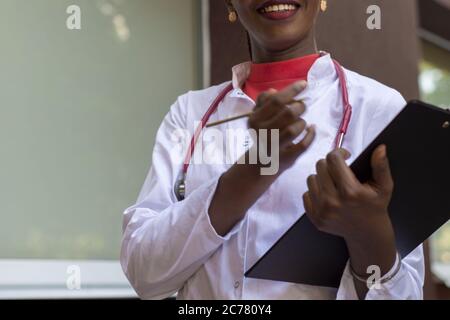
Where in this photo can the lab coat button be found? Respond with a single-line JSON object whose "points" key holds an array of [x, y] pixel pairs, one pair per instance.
{"points": [[237, 284]]}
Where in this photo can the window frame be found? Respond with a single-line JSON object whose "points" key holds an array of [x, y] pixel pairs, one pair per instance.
{"points": [[47, 279]]}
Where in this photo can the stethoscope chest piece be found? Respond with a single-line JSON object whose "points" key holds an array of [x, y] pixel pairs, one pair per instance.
{"points": [[180, 187]]}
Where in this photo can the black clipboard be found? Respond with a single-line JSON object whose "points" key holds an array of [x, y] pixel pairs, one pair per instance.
{"points": [[418, 143]]}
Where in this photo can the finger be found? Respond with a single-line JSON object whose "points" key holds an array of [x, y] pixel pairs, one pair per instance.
{"points": [[342, 175], [292, 132], [274, 102], [307, 204], [288, 94], [261, 112], [299, 148], [310, 210], [313, 188], [286, 116], [381, 170], [263, 97], [324, 179]]}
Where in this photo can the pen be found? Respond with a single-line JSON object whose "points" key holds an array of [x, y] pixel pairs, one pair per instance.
{"points": [[245, 115], [213, 124]]}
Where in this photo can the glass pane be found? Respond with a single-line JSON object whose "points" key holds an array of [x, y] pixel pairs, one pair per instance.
{"points": [[79, 112], [435, 89], [435, 75]]}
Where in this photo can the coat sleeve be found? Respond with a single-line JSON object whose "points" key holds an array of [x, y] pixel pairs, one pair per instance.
{"points": [[408, 282], [164, 241]]}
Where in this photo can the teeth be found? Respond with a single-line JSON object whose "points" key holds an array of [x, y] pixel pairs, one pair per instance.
{"points": [[279, 7]]}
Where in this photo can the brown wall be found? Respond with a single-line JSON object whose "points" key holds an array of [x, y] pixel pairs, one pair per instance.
{"points": [[389, 55], [228, 43], [435, 17]]}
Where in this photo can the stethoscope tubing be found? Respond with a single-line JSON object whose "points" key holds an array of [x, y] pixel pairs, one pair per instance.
{"points": [[180, 185]]}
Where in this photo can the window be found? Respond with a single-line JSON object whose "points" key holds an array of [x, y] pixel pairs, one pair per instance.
{"points": [[435, 75], [80, 109], [435, 89]]}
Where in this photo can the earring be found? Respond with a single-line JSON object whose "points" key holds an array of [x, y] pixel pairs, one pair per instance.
{"points": [[323, 5], [232, 16]]}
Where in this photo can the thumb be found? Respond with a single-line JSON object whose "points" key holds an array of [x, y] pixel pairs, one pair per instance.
{"points": [[381, 172]]}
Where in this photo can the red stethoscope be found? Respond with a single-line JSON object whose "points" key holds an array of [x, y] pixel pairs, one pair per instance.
{"points": [[180, 185]]}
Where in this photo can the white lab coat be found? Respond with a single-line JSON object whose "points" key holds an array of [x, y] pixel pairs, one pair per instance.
{"points": [[171, 246]]}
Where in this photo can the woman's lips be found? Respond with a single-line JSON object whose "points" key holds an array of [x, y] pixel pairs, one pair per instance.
{"points": [[279, 11]]}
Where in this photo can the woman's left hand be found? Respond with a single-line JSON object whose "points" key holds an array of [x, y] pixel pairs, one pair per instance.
{"points": [[337, 203]]}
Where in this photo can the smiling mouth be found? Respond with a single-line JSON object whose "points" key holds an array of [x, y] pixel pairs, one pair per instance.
{"points": [[279, 11]]}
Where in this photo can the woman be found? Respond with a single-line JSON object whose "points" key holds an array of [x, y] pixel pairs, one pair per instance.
{"points": [[200, 247]]}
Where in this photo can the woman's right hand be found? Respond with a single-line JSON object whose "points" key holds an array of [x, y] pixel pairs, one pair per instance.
{"points": [[242, 185], [279, 111]]}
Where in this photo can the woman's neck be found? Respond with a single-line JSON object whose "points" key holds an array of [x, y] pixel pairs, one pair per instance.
{"points": [[303, 48]]}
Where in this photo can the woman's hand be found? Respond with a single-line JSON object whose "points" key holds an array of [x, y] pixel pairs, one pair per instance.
{"points": [[242, 185], [279, 111], [337, 203]]}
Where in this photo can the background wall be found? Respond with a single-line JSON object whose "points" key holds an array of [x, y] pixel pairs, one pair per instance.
{"points": [[79, 112], [389, 55]]}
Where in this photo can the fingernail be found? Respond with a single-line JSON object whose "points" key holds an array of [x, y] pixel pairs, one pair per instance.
{"points": [[347, 155], [300, 85]]}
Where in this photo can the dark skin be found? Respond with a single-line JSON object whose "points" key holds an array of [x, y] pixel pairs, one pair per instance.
{"points": [[336, 202]]}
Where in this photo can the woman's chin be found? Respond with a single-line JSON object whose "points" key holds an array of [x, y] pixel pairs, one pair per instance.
{"points": [[283, 41]]}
